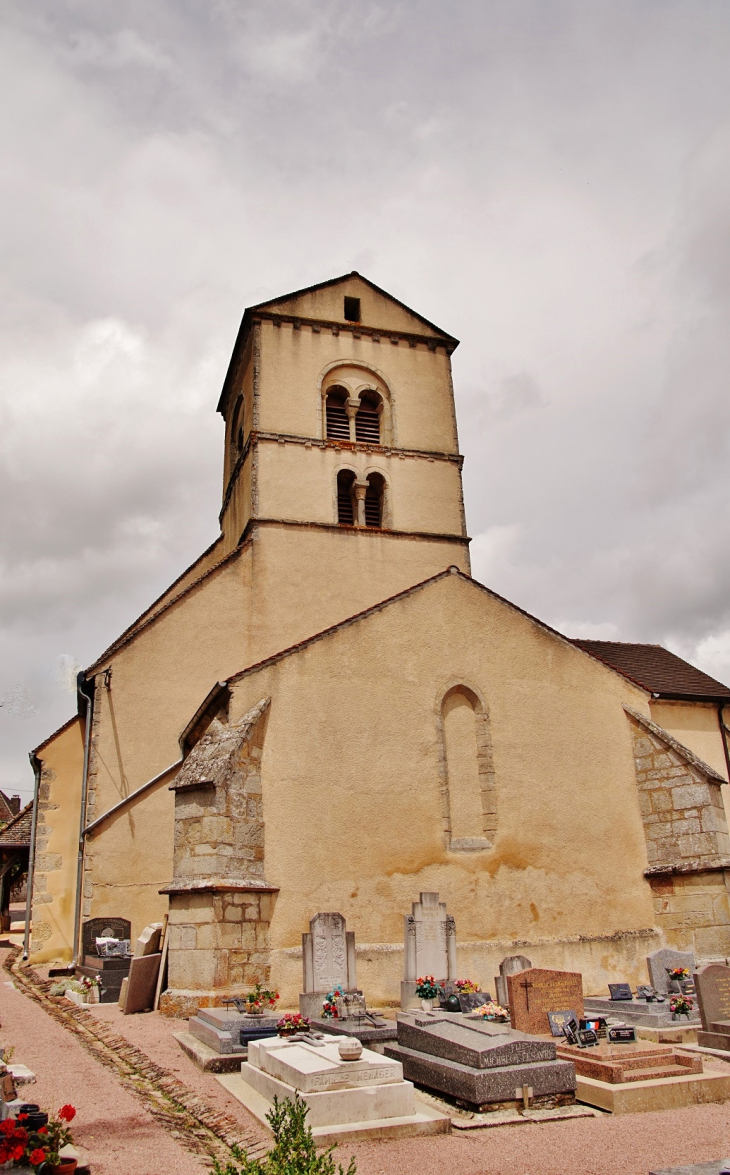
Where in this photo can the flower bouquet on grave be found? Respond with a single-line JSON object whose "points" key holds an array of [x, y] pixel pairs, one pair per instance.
{"points": [[677, 975], [681, 1005], [331, 1002], [91, 985], [427, 990], [492, 1011], [292, 1022], [260, 999], [466, 986]]}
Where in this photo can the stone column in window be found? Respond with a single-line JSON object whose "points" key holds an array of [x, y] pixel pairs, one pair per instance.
{"points": [[360, 488], [351, 408]]}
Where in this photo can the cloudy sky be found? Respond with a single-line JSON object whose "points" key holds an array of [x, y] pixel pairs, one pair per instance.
{"points": [[549, 180]]}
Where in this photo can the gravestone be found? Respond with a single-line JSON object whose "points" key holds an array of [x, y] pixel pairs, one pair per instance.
{"points": [[659, 962], [141, 984], [430, 945], [112, 967], [509, 966], [328, 958], [482, 1065], [712, 984], [469, 1001], [534, 993], [620, 991], [558, 1020], [148, 942]]}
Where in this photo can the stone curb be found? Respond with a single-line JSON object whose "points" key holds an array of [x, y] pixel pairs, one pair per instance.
{"points": [[186, 1115]]}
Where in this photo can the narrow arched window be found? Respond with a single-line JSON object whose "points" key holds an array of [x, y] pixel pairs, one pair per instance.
{"points": [[470, 797], [345, 498], [237, 427], [367, 421], [338, 425], [374, 500]]}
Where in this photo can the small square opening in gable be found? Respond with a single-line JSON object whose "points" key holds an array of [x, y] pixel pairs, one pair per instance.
{"points": [[352, 309]]}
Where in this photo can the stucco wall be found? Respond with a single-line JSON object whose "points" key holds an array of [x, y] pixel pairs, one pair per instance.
{"points": [[57, 838], [695, 724], [351, 787]]}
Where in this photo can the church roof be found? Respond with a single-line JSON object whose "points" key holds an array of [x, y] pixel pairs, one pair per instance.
{"points": [[661, 673]]}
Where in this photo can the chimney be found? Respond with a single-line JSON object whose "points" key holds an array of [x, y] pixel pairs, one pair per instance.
{"points": [[14, 803]]}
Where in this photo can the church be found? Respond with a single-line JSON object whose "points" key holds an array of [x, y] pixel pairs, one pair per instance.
{"points": [[325, 712]]}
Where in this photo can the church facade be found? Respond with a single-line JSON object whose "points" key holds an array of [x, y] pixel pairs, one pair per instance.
{"points": [[326, 712]]}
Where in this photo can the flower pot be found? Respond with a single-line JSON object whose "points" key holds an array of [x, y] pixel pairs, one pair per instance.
{"points": [[254, 1011], [427, 1005], [288, 1031], [65, 1167], [93, 995]]}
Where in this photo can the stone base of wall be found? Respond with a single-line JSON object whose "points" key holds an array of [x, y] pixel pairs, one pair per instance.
{"points": [[219, 948], [693, 911]]}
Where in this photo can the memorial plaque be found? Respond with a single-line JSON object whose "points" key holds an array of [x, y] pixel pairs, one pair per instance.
{"points": [[622, 1036], [116, 928], [713, 995], [534, 993], [469, 1001], [620, 991], [596, 1024], [558, 1020], [587, 1037]]}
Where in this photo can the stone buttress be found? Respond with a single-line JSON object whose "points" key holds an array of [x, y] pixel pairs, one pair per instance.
{"points": [[220, 903]]}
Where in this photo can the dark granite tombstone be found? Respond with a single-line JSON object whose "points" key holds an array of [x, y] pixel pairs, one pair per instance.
{"points": [[620, 991], [469, 1001], [557, 1021], [482, 1065], [112, 968], [713, 996]]}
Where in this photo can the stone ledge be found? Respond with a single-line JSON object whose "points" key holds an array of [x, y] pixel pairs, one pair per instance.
{"points": [[694, 865], [218, 885]]}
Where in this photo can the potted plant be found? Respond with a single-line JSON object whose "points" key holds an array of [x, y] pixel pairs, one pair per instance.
{"points": [[677, 975], [427, 990], [330, 1008], [22, 1147], [681, 1005], [260, 1000], [292, 1022], [492, 1011]]}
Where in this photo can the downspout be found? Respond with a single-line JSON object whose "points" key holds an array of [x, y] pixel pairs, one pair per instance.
{"points": [[724, 732], [89, 704], [36, 765]]}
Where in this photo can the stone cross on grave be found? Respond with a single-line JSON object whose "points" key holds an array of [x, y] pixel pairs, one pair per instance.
{"points": [[527, 985]]}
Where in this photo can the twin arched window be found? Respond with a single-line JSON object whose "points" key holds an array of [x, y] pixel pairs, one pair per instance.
{"points": [[360, 503], [353, 420]]}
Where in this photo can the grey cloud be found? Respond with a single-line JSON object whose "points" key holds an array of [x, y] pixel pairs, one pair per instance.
{"points": [[546, 180]]}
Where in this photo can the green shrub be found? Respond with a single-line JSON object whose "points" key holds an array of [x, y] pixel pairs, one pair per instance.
{"points": [[294, 1151]]}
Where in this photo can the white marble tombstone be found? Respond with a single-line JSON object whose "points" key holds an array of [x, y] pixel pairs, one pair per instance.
{"points": [[430, 945], [328, 957]]}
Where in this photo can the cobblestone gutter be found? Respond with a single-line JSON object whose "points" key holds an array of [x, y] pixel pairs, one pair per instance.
{"points": [[197, 1126]]}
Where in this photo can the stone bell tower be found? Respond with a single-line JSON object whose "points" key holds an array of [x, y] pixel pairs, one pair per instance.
{"points": [[341, 455]]}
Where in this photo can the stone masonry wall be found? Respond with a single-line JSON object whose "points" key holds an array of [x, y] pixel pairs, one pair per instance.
{"points": [[680, 799], [693, 912], [220, 904]]}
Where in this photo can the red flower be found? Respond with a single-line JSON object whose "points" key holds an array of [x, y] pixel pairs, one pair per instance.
{"points": [[4, 1154], [21, 1117], [17, 1154], [37, 1157], [8, 1126], [67, 1113], [20, 1135], [43, 1130]]}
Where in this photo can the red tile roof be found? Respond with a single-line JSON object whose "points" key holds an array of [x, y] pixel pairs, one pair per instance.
{"points": [[657, 670], [17, 832]]}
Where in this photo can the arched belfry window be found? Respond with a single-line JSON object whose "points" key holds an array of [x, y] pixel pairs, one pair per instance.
{"points": [[338, 424], [367, 420], [346, 505], [469, 795], [374, 495]]}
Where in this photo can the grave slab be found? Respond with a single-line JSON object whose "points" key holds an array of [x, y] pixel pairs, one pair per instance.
{"points": [[480, 1064], [537, 991], [207, 1058], [668, 1093], [338, 1093], [639, 1012], [618, 1064]]}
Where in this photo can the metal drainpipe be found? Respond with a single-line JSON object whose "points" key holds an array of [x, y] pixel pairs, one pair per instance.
{"points": [[88, 702], [723, 736], [36, 765]]}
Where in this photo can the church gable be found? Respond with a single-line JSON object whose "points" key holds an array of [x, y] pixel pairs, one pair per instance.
{"points": [[353, 299]]}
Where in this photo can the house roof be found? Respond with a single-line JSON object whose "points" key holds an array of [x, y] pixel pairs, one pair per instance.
{"points": [[662, 673], [16, 834]]}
